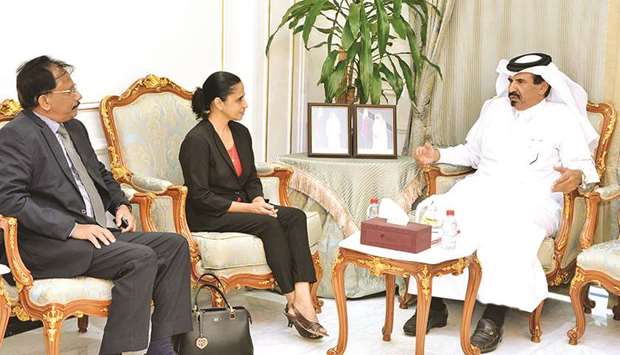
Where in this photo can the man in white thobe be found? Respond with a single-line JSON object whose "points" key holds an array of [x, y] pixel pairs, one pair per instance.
{"points": [[531, 143]]}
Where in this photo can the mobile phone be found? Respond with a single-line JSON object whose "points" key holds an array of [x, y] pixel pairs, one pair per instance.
{"points": [[124, 222]]}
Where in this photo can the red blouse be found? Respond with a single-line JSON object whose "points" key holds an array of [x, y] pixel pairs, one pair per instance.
{"points": [[234, 156]]}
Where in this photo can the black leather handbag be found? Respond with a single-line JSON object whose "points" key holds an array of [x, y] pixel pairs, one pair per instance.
{"points": [[217, 331]]}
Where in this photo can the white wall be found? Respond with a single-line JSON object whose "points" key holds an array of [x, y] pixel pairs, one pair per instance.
{"points": [[113, 43]]}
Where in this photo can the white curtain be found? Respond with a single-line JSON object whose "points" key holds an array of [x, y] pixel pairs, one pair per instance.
{"points": [[419, 114], [481, 32]]}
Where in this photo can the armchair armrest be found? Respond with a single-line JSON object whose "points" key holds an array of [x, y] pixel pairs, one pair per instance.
{"points": [[608, 193], [150, 184], [432, 172], [283, 173], [20, 272], [144, 200]]}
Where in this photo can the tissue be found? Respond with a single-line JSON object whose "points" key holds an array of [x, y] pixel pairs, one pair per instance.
{"points": [[392, 212]]}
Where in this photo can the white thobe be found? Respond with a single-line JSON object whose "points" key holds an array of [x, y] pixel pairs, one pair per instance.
{"points": [[507, 206]]}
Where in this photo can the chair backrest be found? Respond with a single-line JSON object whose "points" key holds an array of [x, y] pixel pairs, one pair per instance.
{"points": [[9, 108], [144, 128], [603, 118]]}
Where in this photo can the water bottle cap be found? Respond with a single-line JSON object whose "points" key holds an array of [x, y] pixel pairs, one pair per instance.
{"points": [[449, 212], [374, 200]]}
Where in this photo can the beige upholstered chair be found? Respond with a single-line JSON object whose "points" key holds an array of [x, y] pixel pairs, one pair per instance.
{"points": [[54, 300], [144, 128], [579, 215], [600, 265]]}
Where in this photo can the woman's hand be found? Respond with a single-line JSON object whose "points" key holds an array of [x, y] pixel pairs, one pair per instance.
{"points": [[259, 206]]}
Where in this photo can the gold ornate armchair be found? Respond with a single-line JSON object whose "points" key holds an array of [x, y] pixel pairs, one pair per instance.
{"points": [[600, 265], [54, 300], [579, 215], [144, 128]]}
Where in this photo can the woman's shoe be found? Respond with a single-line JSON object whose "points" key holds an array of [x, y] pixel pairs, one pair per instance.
{"points": [[314, 328], [292, 321]]}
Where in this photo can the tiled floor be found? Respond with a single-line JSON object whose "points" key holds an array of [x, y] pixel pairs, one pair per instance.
{"points": [[271, 336]]}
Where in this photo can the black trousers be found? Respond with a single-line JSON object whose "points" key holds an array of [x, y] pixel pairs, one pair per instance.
{"points": [[285, 240], [144, 267]]}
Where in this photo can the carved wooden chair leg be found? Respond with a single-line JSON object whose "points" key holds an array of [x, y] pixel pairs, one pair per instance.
{"points": [[82, 323], [577, 287], [5, 313], [52, 324], [314, 288], [406, 299], [535, 329], [616, 310], [588, 304]]}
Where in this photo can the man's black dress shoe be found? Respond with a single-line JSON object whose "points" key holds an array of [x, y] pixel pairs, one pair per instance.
{"points": [[437, 318], [487, 335]]}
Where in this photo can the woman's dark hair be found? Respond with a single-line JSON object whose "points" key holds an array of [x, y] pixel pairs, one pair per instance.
{"points": [[218, 84], [35, 78]]}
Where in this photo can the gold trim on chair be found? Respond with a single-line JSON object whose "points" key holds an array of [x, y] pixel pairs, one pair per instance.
{"points": [[9, 108]]}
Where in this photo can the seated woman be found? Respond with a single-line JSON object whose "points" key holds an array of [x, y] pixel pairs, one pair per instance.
{"points": [[226, 195]]}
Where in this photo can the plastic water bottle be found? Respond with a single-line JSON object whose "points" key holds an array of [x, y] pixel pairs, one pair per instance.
{"points": [[431, 217], [450, 231], [373, 208]]}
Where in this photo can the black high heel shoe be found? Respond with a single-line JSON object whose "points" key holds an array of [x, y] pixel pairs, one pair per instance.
{"points": [[292, 321], [314, 328]]}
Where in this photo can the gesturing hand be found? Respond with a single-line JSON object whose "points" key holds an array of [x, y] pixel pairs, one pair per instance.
{"points": [[94, 233], [568, 181], [426, 154]]}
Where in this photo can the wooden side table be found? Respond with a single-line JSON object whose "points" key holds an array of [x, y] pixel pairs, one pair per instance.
{"points": [[423, 266]]}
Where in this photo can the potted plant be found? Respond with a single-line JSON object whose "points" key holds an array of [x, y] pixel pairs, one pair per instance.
{"points": [[359, 40]]}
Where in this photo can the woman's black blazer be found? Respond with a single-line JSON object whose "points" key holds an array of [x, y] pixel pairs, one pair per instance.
{"points": [[209, 173]]}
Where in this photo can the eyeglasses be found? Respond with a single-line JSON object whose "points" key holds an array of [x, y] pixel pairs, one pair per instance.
{"points": [[71, 91]]}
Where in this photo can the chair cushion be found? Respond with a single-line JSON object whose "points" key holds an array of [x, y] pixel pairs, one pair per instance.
{"points": [[233, 250], [604, 257], [66, 290]]}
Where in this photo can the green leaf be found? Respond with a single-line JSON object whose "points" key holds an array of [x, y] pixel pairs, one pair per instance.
{"points": [[365, 67], [404, 67], [354, 18], [335, 83], [298, 29], [326, 30], [390, 77], [328, 66], [415, 51], [383, 26], [398, 7], [435, 66], [315, 10], [399, 26], [375, 86], [347, 36]]}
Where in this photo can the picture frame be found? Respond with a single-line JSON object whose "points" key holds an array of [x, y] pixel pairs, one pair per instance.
{"points": [[329, 130], [374, 128]]}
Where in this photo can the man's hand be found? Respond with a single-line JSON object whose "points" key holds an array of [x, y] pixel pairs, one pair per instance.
{"points": [[568, 181], [94, 233], [426, 154], [259, 206], [124, 212]]}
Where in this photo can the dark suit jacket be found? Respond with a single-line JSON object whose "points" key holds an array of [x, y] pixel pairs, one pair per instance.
{"points": [[210, 175], [37, 187]]}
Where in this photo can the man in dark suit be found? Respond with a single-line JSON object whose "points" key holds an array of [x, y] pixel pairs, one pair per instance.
{"points": [[52, 181]]}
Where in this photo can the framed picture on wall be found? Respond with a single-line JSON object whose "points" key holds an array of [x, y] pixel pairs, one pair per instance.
{"points": [[328, 130], [375, 131]]}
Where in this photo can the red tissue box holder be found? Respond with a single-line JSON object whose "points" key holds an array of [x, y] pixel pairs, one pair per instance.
{"points": [[412, 238]]}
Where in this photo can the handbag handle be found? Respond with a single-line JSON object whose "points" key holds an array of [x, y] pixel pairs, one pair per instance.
{"points": [[195, 306], [219, 282]]}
